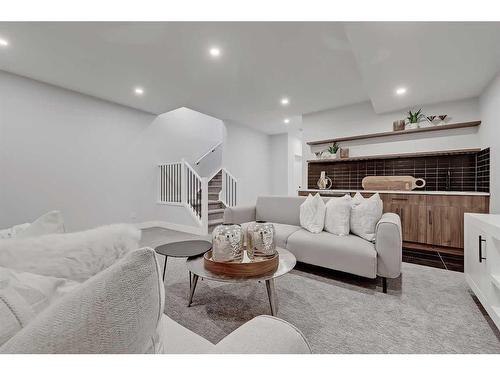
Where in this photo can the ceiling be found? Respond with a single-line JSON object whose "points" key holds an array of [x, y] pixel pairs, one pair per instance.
{"points": [[318, 65]]}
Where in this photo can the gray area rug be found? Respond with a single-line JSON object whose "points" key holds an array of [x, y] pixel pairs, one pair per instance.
{"points": [[426, 310]]}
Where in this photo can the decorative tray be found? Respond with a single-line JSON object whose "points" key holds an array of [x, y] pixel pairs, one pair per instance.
{"points": [[247, 268]]}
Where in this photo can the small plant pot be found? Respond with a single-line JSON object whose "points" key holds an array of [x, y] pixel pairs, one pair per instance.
{"points": [[412, 125], [332, 156]]}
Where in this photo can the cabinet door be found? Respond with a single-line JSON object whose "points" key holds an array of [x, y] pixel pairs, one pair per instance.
{"points": [[445, 226], [476, 254], [412, 212]]}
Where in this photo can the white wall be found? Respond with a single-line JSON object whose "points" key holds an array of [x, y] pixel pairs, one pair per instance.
{"points": [[489, 135], [246, 155], [279, 164], [361, 119], [93, 160]]}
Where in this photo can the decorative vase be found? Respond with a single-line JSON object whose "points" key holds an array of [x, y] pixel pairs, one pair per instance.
{"points": [[260, 240], [227, 243], [324, 182], [332, 156], [344, 153], [398, 125], [412, 125]]}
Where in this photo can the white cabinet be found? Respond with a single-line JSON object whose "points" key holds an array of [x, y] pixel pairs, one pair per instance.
{"points": [[482, 260]]}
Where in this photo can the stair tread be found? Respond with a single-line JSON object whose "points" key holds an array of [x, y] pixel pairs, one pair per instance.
{"points": [[216, 211], [211, 201], [215, 222]]}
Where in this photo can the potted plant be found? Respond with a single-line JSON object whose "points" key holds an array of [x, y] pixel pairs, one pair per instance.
{"points": [[332, 150], [414, 118]]}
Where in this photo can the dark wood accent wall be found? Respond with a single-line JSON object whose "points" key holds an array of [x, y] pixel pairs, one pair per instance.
{"points": [[457, 172]]}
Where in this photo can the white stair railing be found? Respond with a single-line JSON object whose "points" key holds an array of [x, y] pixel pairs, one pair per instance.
{"points": [[170, 187], [180, 184], [228, 194]]}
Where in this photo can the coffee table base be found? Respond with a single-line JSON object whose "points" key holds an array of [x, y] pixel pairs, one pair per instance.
{"points": [[271, 293]]}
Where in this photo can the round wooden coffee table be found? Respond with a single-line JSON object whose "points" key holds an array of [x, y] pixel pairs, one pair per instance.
{"points": [[287, 261]]}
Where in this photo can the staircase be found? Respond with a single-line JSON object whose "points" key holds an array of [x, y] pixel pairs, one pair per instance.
{"points": [[205, 198], [215, 205]]}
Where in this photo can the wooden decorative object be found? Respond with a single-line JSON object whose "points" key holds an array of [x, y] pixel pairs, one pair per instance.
{"points": [[243, 269], [344, 153], [398, 125], [392, 183]]}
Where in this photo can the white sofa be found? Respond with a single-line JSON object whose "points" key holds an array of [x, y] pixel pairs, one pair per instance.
{"points": [[118, 308], [349, 253]]}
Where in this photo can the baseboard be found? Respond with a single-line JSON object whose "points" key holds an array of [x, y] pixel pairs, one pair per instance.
{"points": [[172, 226]]}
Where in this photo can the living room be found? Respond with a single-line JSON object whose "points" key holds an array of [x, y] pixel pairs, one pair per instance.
{"points": [[256, 187]]}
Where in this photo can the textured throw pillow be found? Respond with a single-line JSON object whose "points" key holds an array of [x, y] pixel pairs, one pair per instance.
{"points": [[338, 215], [365, 214], [312, 214], [75, 256]]}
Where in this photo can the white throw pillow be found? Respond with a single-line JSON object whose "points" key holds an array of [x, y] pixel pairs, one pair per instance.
{"points": [[51, 222], [37, 290], [13, 231], [24, 295], [338, 215], [365, 214], [76, 256], [312, 214]]}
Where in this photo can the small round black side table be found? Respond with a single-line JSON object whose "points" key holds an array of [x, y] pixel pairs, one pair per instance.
{"points": [[183, 249]]}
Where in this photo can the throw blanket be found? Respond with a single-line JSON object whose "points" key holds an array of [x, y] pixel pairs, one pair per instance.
{"points": [[75, 256]]}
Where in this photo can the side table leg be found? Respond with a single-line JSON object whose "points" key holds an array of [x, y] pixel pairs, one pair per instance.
{"points": [[192, 289], [165, 268], [271, 293], [190, 277]]}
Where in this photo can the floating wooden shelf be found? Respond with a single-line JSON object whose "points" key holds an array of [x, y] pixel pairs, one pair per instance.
{"points": [[399, 156], [399, 132]]}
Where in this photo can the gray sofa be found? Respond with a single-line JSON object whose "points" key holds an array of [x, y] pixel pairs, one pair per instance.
{"points": [[120, 310], [349, 253]]}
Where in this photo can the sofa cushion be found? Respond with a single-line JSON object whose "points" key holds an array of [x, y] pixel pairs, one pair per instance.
{"points": [[365, 214], [116, 311], [338, 215], [312, 214], [281, 232], [275, 209], [15, 313], [343, 253], [176, 339], [38, 291]]}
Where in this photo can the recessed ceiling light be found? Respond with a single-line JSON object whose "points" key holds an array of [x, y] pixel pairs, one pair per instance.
{"points": [[139, 91], [214, 52], [401, 90], [286, 121], [4, 42], [285, 101]]}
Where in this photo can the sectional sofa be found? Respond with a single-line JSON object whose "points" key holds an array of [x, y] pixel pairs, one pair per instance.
{"points": [[349, 253]]}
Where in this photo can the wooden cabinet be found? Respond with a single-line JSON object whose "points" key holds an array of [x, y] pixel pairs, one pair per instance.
{"points": [[432, 222], [412, 211]]}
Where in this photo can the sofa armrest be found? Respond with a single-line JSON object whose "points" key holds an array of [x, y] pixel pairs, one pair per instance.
{"points": [[264, 335], [389, 245], [239, 215]]}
